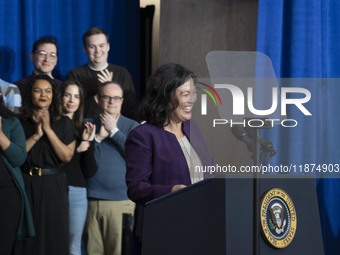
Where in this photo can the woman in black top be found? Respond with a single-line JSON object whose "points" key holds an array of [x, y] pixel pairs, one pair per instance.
{"points": [[50, 143], [81, 166]]}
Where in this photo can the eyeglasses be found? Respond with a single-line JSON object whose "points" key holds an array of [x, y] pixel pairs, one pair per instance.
{"points": [[108, 98], [44, 54]]}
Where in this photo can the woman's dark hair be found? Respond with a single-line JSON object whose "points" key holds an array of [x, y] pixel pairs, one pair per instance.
{"points": [[55, 108], [78, 115], [160, 98], [4, 111]]}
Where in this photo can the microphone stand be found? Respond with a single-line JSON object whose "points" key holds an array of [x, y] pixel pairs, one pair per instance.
{"points": [[256, 145], [256, 190]]}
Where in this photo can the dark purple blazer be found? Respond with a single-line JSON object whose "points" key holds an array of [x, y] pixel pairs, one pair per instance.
{"points": [[155, 162]]}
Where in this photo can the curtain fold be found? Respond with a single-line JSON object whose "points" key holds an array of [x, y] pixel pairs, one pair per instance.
{"points": [[23, 22], [302, 39]]}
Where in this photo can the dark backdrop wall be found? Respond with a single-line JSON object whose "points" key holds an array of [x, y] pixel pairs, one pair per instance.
{"points": [[189, 30], [24, 21]]}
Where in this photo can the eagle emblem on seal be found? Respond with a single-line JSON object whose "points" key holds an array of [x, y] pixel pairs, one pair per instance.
{"points": [[278, 223]]}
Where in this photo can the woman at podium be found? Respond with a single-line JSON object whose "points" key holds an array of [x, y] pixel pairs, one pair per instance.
{"points": [[163, 152]]}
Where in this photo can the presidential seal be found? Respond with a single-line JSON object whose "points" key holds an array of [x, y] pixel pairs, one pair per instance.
{"points": [[278, 218]]}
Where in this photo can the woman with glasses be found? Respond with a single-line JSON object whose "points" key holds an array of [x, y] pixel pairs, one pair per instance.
{"points": [[50, 143], [82, 164], [15, 215]]}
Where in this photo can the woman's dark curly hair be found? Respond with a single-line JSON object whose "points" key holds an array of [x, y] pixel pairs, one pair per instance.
{"points": [[55, 108], [160, 98], [78, 116]]}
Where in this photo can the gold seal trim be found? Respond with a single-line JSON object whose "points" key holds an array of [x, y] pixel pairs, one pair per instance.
{"points": [[278, 218]]}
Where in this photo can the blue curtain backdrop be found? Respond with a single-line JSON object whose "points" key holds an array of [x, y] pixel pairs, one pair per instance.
{"points": [[302, 39], [24, 21]]}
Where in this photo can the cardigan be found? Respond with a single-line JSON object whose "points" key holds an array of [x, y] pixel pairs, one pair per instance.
{"points": [[13, 157], [155, 161]]}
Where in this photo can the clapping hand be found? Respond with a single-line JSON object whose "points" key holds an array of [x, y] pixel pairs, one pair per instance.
{"points": [[108, 121], [89, 131], [39, 123], [87, 136], [105, 75], [83, 146], [45, 120]]}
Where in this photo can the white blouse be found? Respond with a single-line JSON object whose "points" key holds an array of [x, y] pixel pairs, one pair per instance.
{"points": [[192, 159]]}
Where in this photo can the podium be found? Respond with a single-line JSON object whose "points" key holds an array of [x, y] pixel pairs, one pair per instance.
{"points": [[216, 216]]}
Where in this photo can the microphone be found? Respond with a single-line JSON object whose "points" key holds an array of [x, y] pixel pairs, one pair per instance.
{"points": [[240, 133], [267, 146]]}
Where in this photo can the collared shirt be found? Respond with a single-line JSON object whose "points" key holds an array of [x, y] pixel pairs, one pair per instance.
{"points": [[11, 95]]}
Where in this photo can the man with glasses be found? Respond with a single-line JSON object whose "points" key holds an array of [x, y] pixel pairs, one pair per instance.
{"points": [[97, 70], [107, 190], [44, 57]]}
